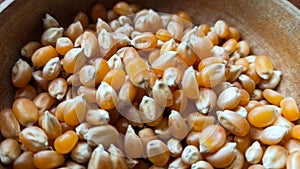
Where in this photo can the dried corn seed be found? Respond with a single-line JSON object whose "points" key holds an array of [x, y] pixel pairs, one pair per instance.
{"points": [[89, 94], [50, 124], [177, 126], [212, 138], [27, 91], [251, 72], [257, 95], [289, 109], [25, 160], [190, 154], [221, 28], [65, 142], [186, 53], [100, 159], [146, 135], [175, 147], [245, 97], [189, 84], [179, 101], [74, 31], [29, 48], [275, 157], [82, 18], [102, 68], [254, 153], [9, 151], [50, 36], [198, 122], [178, 163], [43, 101], [292, 145], [272, 82], [263, 67], [272, 96], [233, 122], [162, 94], [262, 116], [115, 78], [206, 101], [87, 75], [149, 110], [133, 145], [75, 110], [163, 34], [201, 46], [169, 45], [97, 116], [58, 88], [273, 135], [171, 76], [295, 132], [157, 152], [107, 44], [82, 129], [247, 83], [212, 75], [229, 98], [63, 45], [242, 143], [21, 73], [34, 138], [105, 134], [52, 69], [25, 111], [10, 127], [117, 158], [230, 45], [193, 138], [98, 11], [50, 22], [164, 61], [176, 28], [292, 161], [238, 161], [106, 96], [201, 165], [48, 159], [224, 156], [73, 60], [243, 48]]}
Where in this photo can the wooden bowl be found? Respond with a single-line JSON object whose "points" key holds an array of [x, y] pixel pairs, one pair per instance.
{"points": [[271, 28]]}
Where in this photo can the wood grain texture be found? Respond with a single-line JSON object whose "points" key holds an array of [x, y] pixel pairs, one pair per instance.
{"points": [[271, 27]]}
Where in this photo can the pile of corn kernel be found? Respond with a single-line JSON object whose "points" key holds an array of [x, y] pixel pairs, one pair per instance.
{"points": [[115, 90]]}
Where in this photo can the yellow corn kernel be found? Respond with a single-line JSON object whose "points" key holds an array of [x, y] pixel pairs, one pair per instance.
{"points": [[177, 126], [145, 40], [213, 37], [50, 124], [186, 53], [115, 78], [263, 67], [75, 110], [224, 156], [243, 48], [157, 152], [81, 153], [106, 96], [163, 34], [133, 144], [272, 96], [9, 151], [211, 75], [179, 101], [242, 143], [245, 97], [254, 153], [198, 122], [293, 160], [117, 158], [10, 127], [212, 138], [82, 18], [262, 116], [273, 135], [136, 68], [229, 98], [230, 45], [221, 28], [52, 69], [164, 61], [58, 88], [50, 36], [201, 46], [102, 68], [107, 44], [25, 111], [74, 30], [289, 109], [275, 157], [94, 136], [29, 48], [190, 84], [295, 133], [63, 45], [247, 83], [21, 73], [88, 92], [176, 28], [292, 145], [65, 142], [27, 91], [25, 160], [34, 138], [48, 159], [233, 122], [73, 60]]}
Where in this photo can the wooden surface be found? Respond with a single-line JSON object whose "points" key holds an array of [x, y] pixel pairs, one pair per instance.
{"points": [[271, 27]]}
